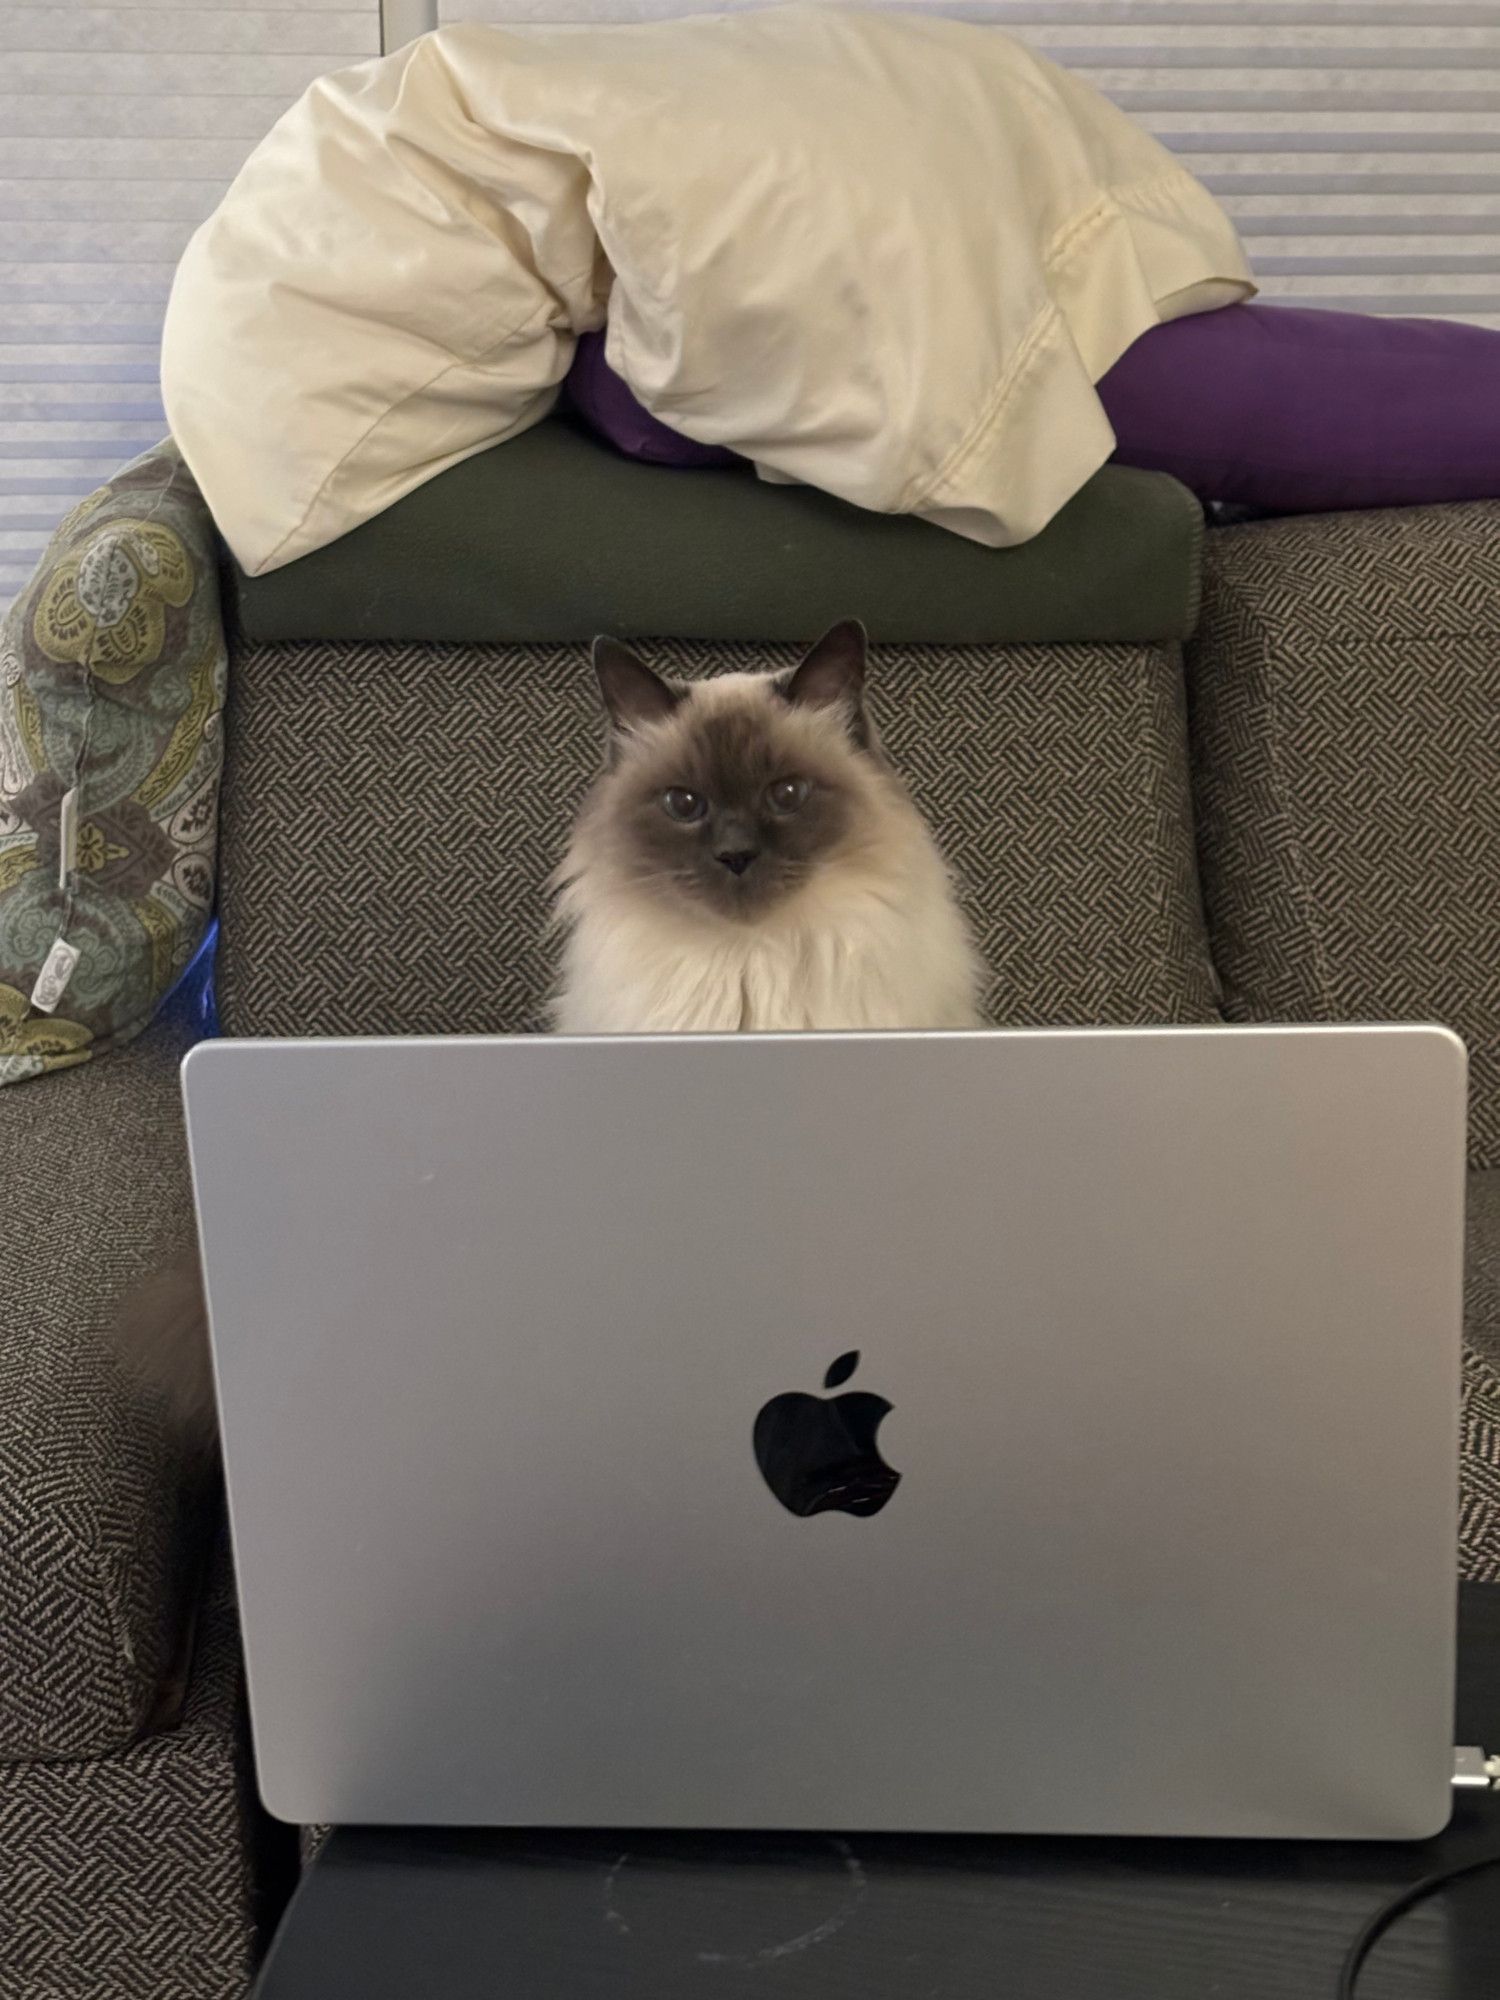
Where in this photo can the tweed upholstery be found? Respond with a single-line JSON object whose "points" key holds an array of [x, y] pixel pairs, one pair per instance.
{"points": [[1482, 1270], [1344, 693], [1479, 1529], [133, 1877], [92, 1553], [391, 815]]}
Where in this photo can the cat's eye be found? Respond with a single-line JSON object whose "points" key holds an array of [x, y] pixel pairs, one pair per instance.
{"points": [[680, 804], [787, 795]]}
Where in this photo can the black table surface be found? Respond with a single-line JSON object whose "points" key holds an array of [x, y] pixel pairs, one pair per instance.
{"points": [[433, 1915]]}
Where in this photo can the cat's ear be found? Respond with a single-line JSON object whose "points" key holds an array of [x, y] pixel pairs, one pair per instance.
{"points": [[633, 694], [833, 676]]}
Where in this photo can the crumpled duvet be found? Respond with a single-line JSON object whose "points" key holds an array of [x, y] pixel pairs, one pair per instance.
{"points": [[884, 255]]}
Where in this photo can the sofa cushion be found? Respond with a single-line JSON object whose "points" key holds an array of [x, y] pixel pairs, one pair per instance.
{"points": [[112, 667], [554, 537], [392, 813], [145, 1875], [93, 1539], [1482, 1268], [1479, 1519], [1344, 689]]}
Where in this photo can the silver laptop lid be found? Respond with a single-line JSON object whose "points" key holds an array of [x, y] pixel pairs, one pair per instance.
{"points": [[515, 1338]]}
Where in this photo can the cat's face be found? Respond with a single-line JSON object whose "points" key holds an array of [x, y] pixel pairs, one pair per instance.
{"points": [[731, 794]]}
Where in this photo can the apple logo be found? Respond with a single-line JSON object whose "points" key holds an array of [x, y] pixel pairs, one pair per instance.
{"points": [[818, 1453]]}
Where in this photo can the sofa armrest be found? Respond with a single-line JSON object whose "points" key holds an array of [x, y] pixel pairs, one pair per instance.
{"points": [[1343, 691], [96, 1515]]}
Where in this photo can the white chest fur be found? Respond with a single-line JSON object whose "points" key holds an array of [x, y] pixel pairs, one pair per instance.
{"points": [[887, 948]]}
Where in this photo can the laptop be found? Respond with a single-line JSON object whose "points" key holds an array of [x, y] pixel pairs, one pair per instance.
{"points": [[1048, 1432]]}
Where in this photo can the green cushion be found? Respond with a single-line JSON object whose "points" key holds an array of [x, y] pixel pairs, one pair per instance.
{"points": [[553, 537], [112, 678]]}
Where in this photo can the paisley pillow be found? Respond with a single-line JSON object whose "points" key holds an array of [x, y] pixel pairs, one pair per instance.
{"points": [[112, 672]]}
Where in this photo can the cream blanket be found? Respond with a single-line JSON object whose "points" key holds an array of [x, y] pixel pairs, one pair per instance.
{"points": [[880, 254]]}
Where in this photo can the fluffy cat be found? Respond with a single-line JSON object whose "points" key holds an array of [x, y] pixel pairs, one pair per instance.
{"points": [[747, 860], [750, 860], [162, 1338]]}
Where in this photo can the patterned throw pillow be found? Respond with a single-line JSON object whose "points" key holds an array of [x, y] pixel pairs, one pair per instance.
{"points": [[112, 672]]}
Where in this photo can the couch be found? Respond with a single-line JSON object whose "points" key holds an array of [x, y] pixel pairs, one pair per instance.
{"points": [[1249, 773]]}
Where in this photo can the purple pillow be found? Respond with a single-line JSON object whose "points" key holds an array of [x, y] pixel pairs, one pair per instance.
{"points": [[607, 406], [1303, 412], [1276, 407]]}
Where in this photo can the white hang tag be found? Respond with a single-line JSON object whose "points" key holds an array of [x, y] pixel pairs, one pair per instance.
{"points": [[52, 980]]}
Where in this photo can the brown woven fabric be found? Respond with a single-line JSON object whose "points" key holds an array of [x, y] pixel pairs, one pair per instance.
{"points": [[391, 814], [1344, 690], [1479, 1523], [130, 1877], [1482, 1267], [92, 1185]]}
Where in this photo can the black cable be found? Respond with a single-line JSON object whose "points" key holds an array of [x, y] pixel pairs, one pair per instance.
{"points": [[1398, 1906]]}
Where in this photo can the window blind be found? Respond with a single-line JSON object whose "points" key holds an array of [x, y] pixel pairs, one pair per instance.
{"points": [[1356, 142], [120, 126]]}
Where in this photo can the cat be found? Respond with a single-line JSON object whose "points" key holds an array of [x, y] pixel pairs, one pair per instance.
{"points": [[161, 1336], [750, 860]]}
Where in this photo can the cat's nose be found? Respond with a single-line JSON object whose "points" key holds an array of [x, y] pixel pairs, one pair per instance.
{"points": [[736, 859]]}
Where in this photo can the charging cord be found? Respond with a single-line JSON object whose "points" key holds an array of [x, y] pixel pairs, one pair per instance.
{"points": [[1473, 1771]]}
